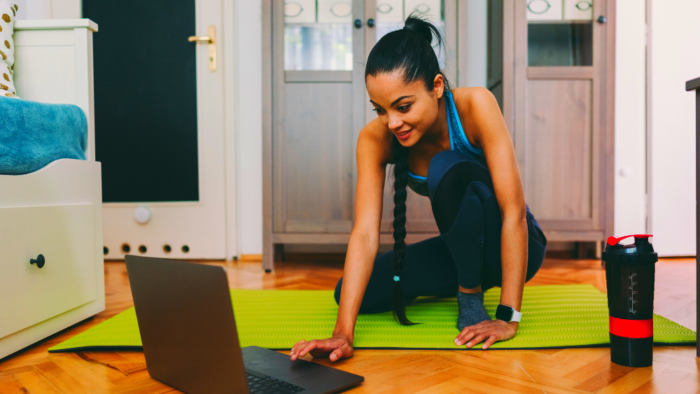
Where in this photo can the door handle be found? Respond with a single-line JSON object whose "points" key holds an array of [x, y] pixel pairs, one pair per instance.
{"points": [[211, 41], [201, 38]]}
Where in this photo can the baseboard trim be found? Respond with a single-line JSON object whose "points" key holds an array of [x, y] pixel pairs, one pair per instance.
{"points": [[250, 257]]}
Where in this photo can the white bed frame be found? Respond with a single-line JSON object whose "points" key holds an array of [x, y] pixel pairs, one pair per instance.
{"points": [[57, 210]]}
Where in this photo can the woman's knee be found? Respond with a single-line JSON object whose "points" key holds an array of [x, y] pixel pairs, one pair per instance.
{"points": [[440, 164], [536, 253], [338, 288], [451, 172]]}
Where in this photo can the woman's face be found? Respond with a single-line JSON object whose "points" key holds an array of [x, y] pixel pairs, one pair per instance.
{"points": [[407, 110]]}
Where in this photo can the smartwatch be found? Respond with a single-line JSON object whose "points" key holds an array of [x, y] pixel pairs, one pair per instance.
{"points": [[506, 313]]}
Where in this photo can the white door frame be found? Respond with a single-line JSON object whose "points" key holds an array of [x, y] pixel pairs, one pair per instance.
{"points": [[229, 69]]}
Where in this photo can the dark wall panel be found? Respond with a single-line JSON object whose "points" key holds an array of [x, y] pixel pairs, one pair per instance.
{"points": [[145, 99]]}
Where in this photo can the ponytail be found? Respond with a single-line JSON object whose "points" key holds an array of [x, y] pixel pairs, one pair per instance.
{"points": [[400, 154]]}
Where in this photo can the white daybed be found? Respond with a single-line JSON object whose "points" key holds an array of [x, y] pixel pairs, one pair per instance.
{"points": [[57, 210]]}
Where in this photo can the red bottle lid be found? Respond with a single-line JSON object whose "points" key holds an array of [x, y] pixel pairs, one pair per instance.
{"points": [[640, 252], [612, 241]]}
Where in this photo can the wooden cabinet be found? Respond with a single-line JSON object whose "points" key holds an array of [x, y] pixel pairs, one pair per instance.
{"points": [[562, 115], [694, 85], [549, 63], [55, 211]]}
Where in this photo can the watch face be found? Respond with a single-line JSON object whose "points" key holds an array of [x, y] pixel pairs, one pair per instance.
{"points": [[504, 313]]}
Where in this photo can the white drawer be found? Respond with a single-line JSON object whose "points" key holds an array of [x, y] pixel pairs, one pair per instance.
{"points": [[65, 236]]}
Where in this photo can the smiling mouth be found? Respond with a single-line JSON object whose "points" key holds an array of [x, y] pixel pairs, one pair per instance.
{"points": [[403, 133]]}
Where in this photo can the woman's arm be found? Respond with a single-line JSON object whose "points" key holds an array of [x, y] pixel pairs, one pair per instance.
{"points": [[491, 134], [373, 153], [487, 130]]}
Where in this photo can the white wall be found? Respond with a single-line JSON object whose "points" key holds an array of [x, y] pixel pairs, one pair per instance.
{"points": [[477, 24], [33, 9], [65, 9], [675, 58], [630, 118], [48, 9], [248, 77]]}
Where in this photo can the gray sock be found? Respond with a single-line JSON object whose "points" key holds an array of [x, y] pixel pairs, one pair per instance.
{"points": [[471, 309]]}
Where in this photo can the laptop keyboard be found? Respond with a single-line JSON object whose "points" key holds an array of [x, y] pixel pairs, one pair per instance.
{"points": [[270, 385]]}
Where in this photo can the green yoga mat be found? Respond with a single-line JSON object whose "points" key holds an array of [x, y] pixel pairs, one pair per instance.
{"points": [[555, 316]]}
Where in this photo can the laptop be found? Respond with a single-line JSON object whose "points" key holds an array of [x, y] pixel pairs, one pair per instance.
{"points": [[185, 316]]}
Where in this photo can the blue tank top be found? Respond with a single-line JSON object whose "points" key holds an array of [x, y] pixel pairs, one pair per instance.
{"points": [[458, 142]]}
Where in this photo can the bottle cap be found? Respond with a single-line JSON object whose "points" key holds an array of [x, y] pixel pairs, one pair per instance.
{"points": [[640, 252]]}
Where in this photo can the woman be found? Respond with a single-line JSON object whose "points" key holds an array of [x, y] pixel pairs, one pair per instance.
{"points": [[453, 146]]}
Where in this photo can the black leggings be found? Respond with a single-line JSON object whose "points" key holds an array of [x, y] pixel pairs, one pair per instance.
{"points": [[468, 250]]}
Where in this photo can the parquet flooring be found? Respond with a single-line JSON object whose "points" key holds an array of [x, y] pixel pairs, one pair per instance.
{"points": [[586, 370]]}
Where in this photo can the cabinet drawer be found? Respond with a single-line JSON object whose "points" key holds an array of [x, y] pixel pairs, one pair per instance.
{"points": [[65, 236]]}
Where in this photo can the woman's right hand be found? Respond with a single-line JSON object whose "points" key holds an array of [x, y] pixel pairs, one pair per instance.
{"points": [[339, 346]]}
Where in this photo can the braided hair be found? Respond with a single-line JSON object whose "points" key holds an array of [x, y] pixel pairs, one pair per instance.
{"points": [[409, 51]]}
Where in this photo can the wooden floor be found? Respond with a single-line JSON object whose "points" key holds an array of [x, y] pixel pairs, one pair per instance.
{"points": [[675, 369]]}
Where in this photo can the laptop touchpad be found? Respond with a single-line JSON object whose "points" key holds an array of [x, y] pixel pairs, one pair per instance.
{"points": [[280, 366]]}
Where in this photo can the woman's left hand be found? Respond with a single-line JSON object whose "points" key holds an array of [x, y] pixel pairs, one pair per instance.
{"points": [[491, 330]]}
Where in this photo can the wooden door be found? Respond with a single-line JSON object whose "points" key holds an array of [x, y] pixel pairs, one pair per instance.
{"points": [[561, 127], [318, 84], [159, 127]]}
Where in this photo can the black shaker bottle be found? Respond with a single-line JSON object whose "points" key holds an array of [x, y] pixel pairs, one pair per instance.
{"points": [[629, 274]]}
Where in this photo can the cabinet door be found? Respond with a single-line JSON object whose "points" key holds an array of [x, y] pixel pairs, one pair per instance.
{"points": [[389, 16], [64, 236], [560, 102], [320, 105], [317, 72]]}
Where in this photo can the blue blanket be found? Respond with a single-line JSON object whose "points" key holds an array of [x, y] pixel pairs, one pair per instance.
{"points": [[33, 134]]}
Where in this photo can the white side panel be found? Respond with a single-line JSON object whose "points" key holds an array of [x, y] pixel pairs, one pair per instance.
{"points": [[46, 74], [477, 23], [630, 118], [248, 24], [230, 117], [54, 65], [674, 60]]}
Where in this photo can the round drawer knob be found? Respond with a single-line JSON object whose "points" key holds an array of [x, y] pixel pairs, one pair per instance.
{"points": [[40, 261], [142, 215]]}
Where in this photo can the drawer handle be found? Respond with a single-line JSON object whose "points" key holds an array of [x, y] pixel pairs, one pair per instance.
{"points": [[40, 261]]}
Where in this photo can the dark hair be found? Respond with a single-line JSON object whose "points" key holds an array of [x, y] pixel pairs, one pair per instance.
{"points": [[407, 50]]}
